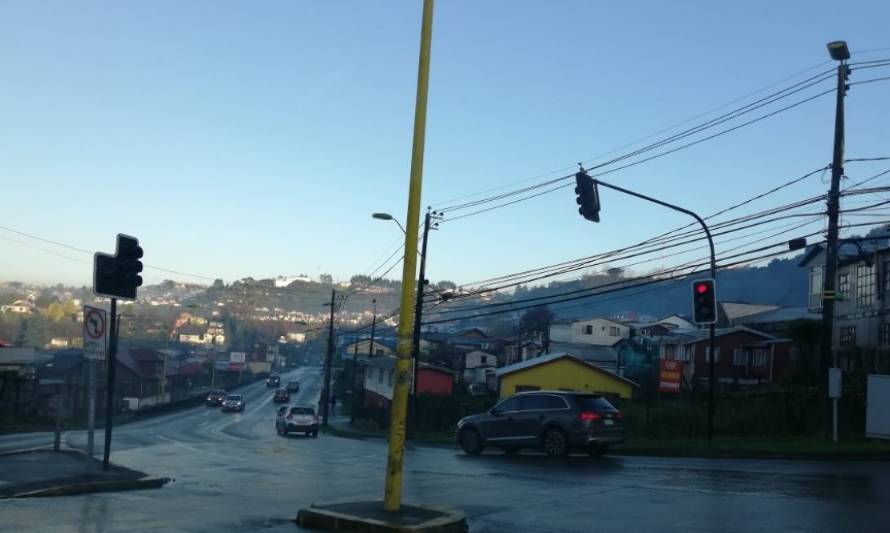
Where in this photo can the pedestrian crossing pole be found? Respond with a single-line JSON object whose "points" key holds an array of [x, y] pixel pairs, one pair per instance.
{"points": [[399, 406]]}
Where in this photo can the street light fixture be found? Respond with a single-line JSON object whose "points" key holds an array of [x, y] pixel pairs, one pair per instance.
{"points": [[838, 50], [387, 216]]}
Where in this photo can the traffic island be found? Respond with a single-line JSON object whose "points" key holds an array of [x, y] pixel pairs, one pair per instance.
{"points": [[43, 472], [370, 516]]}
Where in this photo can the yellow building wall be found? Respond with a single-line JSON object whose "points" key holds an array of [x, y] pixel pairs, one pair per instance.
{"points": [[565, 374]]}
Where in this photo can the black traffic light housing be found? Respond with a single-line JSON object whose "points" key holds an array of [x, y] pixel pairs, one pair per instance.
{"points": [[588, 197], [117, 275], [704, 301]]}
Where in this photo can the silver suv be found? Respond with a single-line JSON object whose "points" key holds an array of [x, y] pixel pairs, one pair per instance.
{"points": [[556, 421]]}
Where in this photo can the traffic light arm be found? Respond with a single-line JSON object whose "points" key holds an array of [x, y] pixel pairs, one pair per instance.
{"points": [[712, 335]]}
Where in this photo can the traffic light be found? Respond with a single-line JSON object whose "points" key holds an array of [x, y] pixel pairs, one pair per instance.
{"points": [[118, 275], [704, 302], [588, 197]]}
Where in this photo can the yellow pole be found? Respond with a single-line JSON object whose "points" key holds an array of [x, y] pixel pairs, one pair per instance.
{"points": [[399, 408]]}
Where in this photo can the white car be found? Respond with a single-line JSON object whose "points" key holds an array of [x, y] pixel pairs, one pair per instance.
{"points": [[233, 402]]}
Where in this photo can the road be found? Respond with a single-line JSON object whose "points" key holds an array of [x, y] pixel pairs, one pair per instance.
{"points": [[234, 474]]}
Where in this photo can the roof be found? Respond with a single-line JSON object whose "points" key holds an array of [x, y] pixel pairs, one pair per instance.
{"points": [[141, 361], [702, 334], [549, 358], [587, 352], [782, 314], [61, 363], [736, 310], [22, 356], [849, 250]]}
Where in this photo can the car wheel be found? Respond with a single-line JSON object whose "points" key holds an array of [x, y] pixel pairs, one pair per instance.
{"points": [[556, 443], [597, 449], [510, 450], [471, 441]]}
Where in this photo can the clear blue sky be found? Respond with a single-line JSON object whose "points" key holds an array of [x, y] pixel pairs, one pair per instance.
{"points": [[255, 138]]}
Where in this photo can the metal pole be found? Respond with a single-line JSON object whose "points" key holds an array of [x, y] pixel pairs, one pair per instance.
{"points": [[373, 325], [418, 312], [395, 456], [91, 410], [830, 273], [711, 328], [326, 391], [57, 440], [109, 392], [163, 391], [352, 385]]}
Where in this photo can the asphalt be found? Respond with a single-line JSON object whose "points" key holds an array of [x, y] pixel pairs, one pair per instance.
{"points": [[233, 473]]}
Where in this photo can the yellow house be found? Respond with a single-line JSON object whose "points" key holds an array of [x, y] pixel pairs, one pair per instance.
{"points": [[561, 371]]}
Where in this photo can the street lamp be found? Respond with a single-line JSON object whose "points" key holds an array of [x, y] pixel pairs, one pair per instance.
{"points": [[838, 50], [387, 216]]}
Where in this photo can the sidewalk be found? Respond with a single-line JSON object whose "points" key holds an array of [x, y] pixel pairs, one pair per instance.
{"points": [[43, 472]]}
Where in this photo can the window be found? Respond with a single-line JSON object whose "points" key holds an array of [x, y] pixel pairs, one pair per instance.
{"points": [[379, 375], [815, 300], [843, 286], [588, 330], [708, 354], [510, 404], [848, 336], [885, 277], [534, 402], [865, 285], [670, 352], [761, 357], [885, 335], [555, 402], [614, 331], [526, 388], [390, 377], [593, 403], [379, 352], [739, 357]]}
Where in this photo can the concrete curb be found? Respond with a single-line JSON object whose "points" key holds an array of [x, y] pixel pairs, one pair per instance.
{"points": [[321, 517], [72, 489]]}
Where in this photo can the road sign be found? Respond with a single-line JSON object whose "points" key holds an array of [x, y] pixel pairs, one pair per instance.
{"points": [[670, 377], [94, 333]]}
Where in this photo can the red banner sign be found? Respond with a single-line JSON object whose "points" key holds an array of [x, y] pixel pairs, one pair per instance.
{"points": [[670, 377]]}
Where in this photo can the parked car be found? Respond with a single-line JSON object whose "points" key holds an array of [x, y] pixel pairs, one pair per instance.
{"points": [[293, 386], [281, 396], [233, 402], [215, 398], [273, 380], [555, 421], [477, 389], [299, 419]]}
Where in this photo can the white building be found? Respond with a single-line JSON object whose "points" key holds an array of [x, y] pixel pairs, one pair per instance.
{"points": [[595, 331]]}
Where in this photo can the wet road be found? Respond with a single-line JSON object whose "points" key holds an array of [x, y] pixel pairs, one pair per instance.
{"points": [[233, 474]]}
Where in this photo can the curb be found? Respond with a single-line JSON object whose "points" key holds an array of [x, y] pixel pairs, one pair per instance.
{"points": [[94, 486], [321, 517]]}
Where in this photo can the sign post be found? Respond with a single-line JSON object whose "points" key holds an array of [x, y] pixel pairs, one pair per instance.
{"points": [[670, 377], [94, 336]]}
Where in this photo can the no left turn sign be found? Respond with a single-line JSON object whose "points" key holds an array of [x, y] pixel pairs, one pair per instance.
{"points": [[94, 332]]}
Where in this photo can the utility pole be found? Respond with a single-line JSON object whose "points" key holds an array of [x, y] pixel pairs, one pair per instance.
{"points": [[418, 312], [109, 392], [840, 53], [352, 385], [373, 325], [326, 391], [392, 499]]}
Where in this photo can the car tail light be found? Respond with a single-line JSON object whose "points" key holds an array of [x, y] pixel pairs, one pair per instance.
{"points": [[588, 416]]}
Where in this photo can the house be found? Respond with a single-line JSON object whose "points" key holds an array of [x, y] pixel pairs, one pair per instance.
{"points": [[561, 371], [364, 348], [379, 372], [605, 357], [58, 342], [525, 350], [23, 307], [743, 356], [139, 374], [595, 331], [18, 371], [677, 321], [477, 366], [776, 321], [861, 310]]}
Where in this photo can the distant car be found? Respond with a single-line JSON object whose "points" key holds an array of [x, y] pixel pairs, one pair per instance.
{"points": [[233, 402], [293, 386], [556, 421], [281, 396], [215, 398], [296, 419], [273, 381]]}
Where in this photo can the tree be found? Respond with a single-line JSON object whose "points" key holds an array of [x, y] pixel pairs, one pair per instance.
{"points": [[45, 298], [326, 279], [537, 320], [218, 285], [55, 311], [446, 285]]}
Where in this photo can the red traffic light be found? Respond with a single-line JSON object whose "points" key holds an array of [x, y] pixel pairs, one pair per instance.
{"points": [[701, 288]]}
